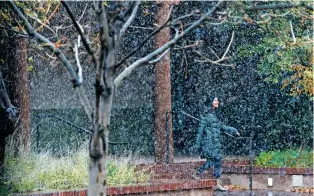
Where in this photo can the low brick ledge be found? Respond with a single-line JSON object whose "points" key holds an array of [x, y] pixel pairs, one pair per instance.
{"points": [[188, 165], [137, 188], [262, 170], [235, 167]]}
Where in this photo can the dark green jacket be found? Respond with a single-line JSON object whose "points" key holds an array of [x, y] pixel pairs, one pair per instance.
{"points": [[208, 138]]}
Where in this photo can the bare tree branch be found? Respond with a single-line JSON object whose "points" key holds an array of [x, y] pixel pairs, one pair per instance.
{"points": [[160, 57], [127, 71], [223, 57], [216, 23], [210, 61], [17, 37], [213, 52], [81, 33], [197, 43], [144, 41], [31, 31], [10, 29], [279, 6], [85, 102], [75, 79], [46, 26], [207, 60], [138, 27], [185, 60], [292, 33], [61, 27], [82, 13], [78, 64], [52, 57], [228, 48], [173, 22], [130, 20], [51, 15]]}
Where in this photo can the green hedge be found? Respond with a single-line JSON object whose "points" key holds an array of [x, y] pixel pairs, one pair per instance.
{"points": [[132, 128], [287, 158]]}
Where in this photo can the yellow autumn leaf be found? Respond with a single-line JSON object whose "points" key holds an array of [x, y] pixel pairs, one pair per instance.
{"points": [[308, 73], [57, 44], [30, 68]]}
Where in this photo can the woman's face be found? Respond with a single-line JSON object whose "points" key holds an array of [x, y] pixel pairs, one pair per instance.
{"points": [[215, 103]]}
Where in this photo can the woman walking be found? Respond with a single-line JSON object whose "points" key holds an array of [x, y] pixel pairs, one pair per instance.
{"points": [[208, 141]]}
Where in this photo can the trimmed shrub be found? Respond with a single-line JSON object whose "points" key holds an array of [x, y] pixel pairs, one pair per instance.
{"points": [[287, 158]]}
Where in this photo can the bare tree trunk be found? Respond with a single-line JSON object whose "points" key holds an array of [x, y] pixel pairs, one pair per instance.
{"points": [[22, 96], [163, 92], [15, 77], [105, 71], [99, 147]]}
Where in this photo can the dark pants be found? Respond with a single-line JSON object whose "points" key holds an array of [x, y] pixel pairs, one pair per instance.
{"points": [[212, 162]]}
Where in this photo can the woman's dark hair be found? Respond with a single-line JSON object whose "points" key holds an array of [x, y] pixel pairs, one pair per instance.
{"points": [[208, 104], [209, 100]]}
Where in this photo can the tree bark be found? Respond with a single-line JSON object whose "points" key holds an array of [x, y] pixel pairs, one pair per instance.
{"points": [[163, 93], [98, 150], [22, 95], [14, 69]]}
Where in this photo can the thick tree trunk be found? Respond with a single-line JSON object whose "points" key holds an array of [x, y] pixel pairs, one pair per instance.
{"points": [[163, 144], [18, 89], [14, 69], [99, 149], [104, 85], [22, 96]]}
